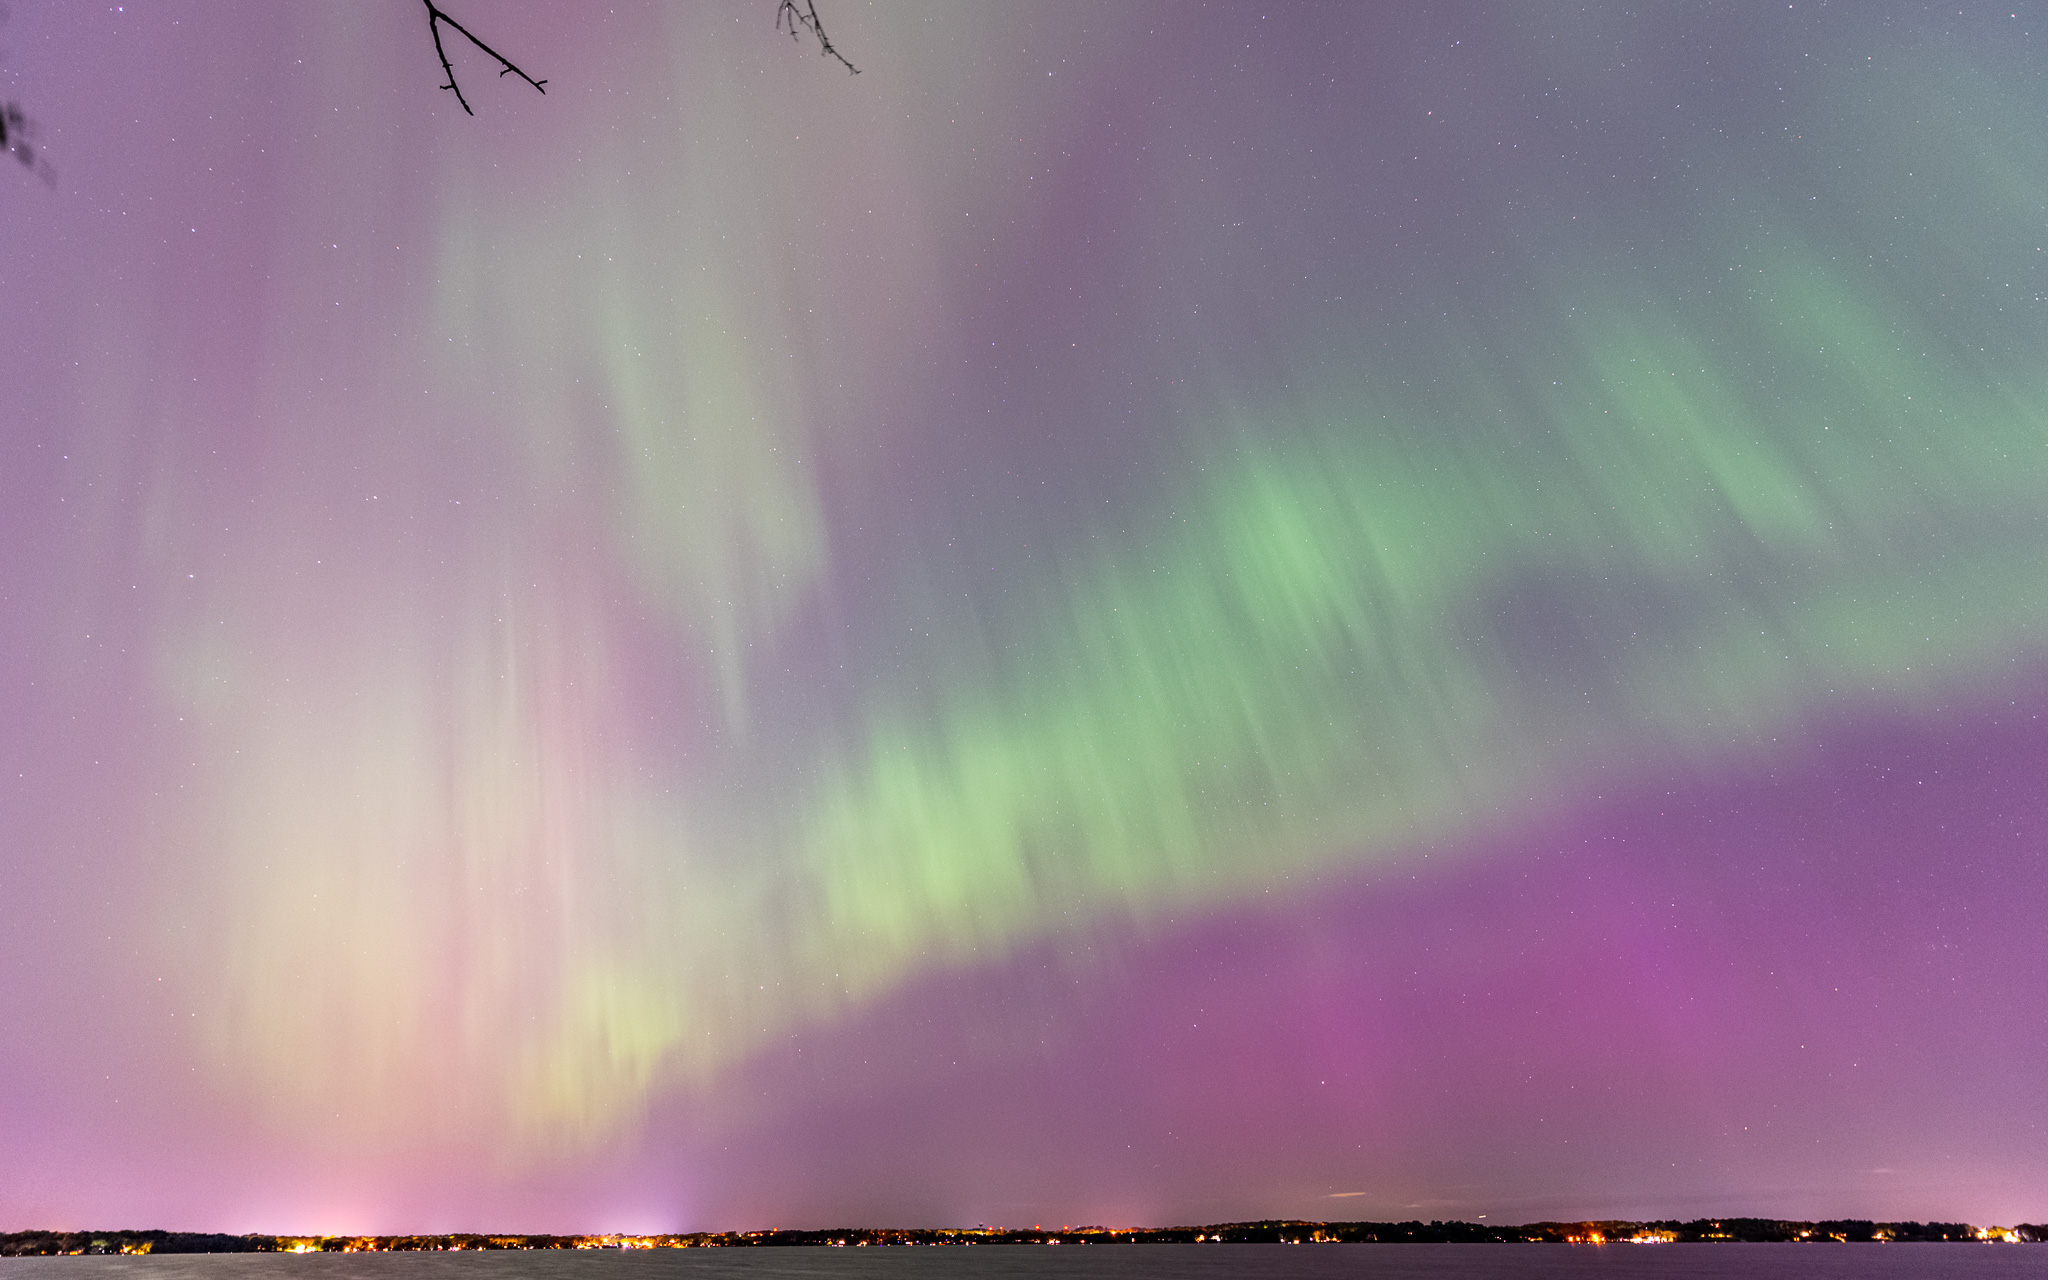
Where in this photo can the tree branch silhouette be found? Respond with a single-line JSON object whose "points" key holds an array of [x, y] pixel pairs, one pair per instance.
{"points": [[435, 17], [806, 16], [790, 15]]}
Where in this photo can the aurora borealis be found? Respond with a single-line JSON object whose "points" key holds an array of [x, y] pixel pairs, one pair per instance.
{"points": [[1362, 611]]}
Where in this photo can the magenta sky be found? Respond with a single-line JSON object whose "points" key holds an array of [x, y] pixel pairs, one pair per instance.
{"points": [[1399, 611]]}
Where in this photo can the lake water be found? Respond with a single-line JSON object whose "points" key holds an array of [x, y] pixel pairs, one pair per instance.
{"points": [[1087, 1262]]}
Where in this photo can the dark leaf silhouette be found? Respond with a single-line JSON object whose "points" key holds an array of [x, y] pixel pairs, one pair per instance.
{"points": [[16, 133]]}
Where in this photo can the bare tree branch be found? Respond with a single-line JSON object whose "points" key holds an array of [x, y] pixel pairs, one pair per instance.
{"points": [[806, 16], [435, 17]]}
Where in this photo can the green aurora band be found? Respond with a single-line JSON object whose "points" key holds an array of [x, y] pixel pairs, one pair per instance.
{"points": [[1385, 619]]}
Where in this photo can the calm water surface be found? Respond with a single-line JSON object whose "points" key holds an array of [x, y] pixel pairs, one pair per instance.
{"points": [[1120, 1262]]}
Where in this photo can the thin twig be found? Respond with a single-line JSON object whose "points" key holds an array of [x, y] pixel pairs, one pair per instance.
{"points": [[807, 18], [435, 17]]}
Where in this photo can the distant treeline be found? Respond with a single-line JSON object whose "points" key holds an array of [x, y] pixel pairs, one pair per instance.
{"points": [[1700, 1230]]}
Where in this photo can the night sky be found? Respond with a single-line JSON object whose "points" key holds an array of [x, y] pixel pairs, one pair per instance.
{"points": [[1140, 614]]}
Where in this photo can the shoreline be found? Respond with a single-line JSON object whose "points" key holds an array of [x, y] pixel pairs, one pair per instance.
{"points": [[1266, 1231]]}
